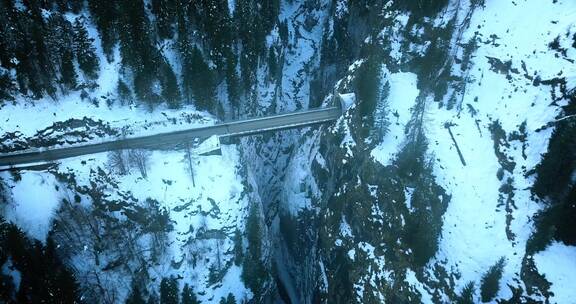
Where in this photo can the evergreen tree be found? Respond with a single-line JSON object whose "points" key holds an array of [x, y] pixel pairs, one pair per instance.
{"points": [[105, 15], [199, 81], [233, 82], [7, 89], [188, 296], [238, 247], [44, 278], [272, 63], [254, 271], [165, 12], [170, 89], [85, 52], [381, 120], [367, 85], [135, 296], [467, 294], [491, 281], [169, 291], [124, 92], [67, 70]]}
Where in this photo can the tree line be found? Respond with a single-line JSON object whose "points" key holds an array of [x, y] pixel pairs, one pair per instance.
{"points": [[46, 52]]}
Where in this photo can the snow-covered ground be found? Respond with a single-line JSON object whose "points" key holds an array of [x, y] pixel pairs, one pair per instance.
{"points": [[214, 200], [480, 226], [557, 262]]}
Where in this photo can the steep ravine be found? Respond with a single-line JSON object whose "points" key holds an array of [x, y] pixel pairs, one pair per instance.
{"points": [[360, 208]]}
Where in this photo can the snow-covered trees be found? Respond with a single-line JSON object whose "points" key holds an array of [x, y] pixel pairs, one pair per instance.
{"points": [[169, 291], [467, 294], [188, 295], [84, 49], [198, 80], [138, 158]]}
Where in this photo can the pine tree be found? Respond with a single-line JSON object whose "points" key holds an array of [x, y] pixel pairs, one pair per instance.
{"points": [[165, 11], [233, 82], [254, 271], [272, 63], [198, 79], [135, 296], [169, 291], [124, 93], [238, 247], [381, 120], [67, 70], [231, 299], [85, 52], [105, 15], [7, 89], [170, 89], [367, 85], [188, 296], [467, 294], [491, 281]]}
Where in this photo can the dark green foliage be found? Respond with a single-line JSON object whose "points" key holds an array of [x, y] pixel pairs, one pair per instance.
{"points": [[157, 219], [424, 224], [165, 12], [367, 85], [433, 68], [429, 201], [381, 120], [27, 44], [555, 184], [84, 49], [68, 73], [135, 296], [7, 88], [198, 80], [254, 20], [272, 63], [44, 279], [124, 93], [233, 81], [491, 280], [423, 8], [230, 299], [169, 291], [467, 294], [238, 247], [105, 15], [559, 162], [254, 272], [188, 295], [170, 89]]}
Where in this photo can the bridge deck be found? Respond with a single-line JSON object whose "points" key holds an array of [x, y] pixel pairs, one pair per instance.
{"points": [[232, 128]]}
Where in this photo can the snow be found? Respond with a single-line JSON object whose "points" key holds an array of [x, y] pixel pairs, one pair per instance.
{"points": [[413, 281], [347, 101], [557, 263], [35, 200], [352, 254], [403, 93], [210, 144], [216, 200], [217, 197], [345, 229], [474, 234]]}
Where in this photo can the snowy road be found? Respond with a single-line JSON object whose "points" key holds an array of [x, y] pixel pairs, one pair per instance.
{"points": [[232, 128]]}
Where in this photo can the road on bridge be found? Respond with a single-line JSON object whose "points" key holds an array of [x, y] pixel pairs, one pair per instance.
{"points": [[229, 129]]}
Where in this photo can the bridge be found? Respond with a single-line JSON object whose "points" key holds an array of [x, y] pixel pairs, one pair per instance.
{"points": [[226, 129]]}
